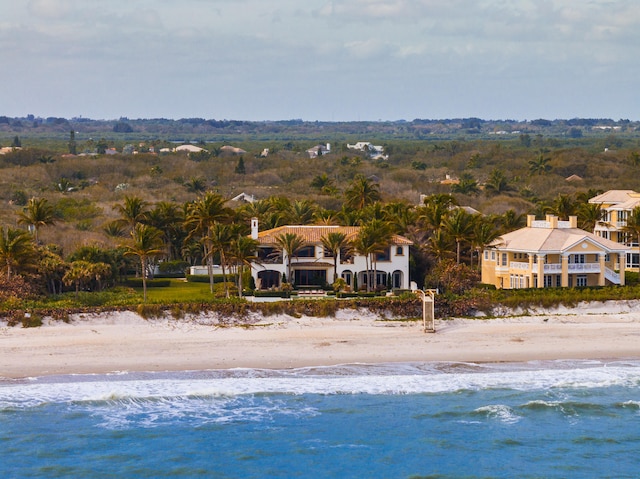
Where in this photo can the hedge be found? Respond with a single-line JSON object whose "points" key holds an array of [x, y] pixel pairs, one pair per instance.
{"points": [[204, 278]]}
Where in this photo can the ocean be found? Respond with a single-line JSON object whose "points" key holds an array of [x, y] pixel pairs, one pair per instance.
{"points": [[552, 419]]}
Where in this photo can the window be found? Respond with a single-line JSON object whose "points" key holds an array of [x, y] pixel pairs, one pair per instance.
{"points": [[577, 258], [493, 256], [486, 254], [581, 280], [384, 256], [604, 234], [548, 280], [504, 259], [399, 251], [306, 252]]}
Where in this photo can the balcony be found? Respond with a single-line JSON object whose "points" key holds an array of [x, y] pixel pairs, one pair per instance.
{"points": [[573, 268], [556, 268]]}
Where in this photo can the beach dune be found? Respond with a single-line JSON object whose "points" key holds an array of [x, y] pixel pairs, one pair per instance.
{"points": [[124, 341]]}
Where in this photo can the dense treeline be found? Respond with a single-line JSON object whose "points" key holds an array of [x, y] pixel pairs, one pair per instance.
{"points": [[84, 222]]}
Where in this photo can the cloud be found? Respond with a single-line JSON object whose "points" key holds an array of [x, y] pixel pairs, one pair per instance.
{"points": [[50, 9]]}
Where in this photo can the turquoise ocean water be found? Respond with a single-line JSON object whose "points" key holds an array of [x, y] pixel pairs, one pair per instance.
{"points": [[558, 419]]}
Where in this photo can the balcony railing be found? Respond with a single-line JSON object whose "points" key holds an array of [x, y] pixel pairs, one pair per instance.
{"points": [[612, 276], [556, 268]]}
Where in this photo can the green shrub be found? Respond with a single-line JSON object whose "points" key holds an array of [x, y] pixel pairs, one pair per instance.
{"points": [[272, 294], [173, 269]]}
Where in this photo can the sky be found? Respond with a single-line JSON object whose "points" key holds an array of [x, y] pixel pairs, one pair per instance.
{"points": [[325, 60]]}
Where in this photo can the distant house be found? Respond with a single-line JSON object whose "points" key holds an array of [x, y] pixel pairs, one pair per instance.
{"points": [[244, 197], [232, 150], [573, 178], [375, 152], [313, 266], [552, 253], [616, 206], [319, 150], [8, 149], [188, 148]]}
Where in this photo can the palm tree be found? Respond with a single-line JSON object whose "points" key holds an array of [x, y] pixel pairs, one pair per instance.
{"points": [[201, 215], [334, 242], [289, 244], [458, 225], [467, 185], [510, 220], [219, 240], [497, 183], [300, 212], [146, 244], [325, 184], [563, 206], [168, 217], [36, 214], [435, 208], [439, 245], [132, 211], [540, 164], [484, 232], [243, 252], [589, 214], [16, 250], [372, 238], [78, 274], [361, 192]]}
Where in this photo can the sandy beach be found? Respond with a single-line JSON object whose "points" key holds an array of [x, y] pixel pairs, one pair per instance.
{"points": [[127, 342]]}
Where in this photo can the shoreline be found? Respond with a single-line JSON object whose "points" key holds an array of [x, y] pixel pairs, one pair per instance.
{"points": [[116, 342]]}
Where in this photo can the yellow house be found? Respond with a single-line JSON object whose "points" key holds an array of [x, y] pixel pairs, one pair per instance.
{"points": [[552, 253], [616, 206]]}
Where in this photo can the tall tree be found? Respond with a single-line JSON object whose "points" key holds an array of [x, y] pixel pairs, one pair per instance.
{"points": [[78, 274], [133, 210], [458, 225], [563, 206], [243, 252], [17, 252], [202, 214], [146, 243], [540, 164], [334, 242], [72, 143], [467, 185], [497, 183], [219, 238], [289, 244], [589, 214], [37, 213], [361, 192]]}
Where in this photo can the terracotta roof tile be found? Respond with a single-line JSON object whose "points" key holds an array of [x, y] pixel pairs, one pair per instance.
{"points": [[314, 234]]}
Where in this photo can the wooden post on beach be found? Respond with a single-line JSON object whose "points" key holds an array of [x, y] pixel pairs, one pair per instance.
{"points": [[428, 297]]}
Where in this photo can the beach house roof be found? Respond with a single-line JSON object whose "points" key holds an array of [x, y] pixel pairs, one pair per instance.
{"points": [[313, 234]]}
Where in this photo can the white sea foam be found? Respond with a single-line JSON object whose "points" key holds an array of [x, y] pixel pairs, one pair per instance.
{"points": [[415, 378]]}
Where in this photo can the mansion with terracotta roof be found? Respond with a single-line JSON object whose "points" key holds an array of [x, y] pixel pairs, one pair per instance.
{"points": [[314, 266]]}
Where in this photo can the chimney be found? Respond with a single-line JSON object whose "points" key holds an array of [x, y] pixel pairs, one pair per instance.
{"points": [[553, 221], [254, 228], [530, 220], [573, 221]]}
